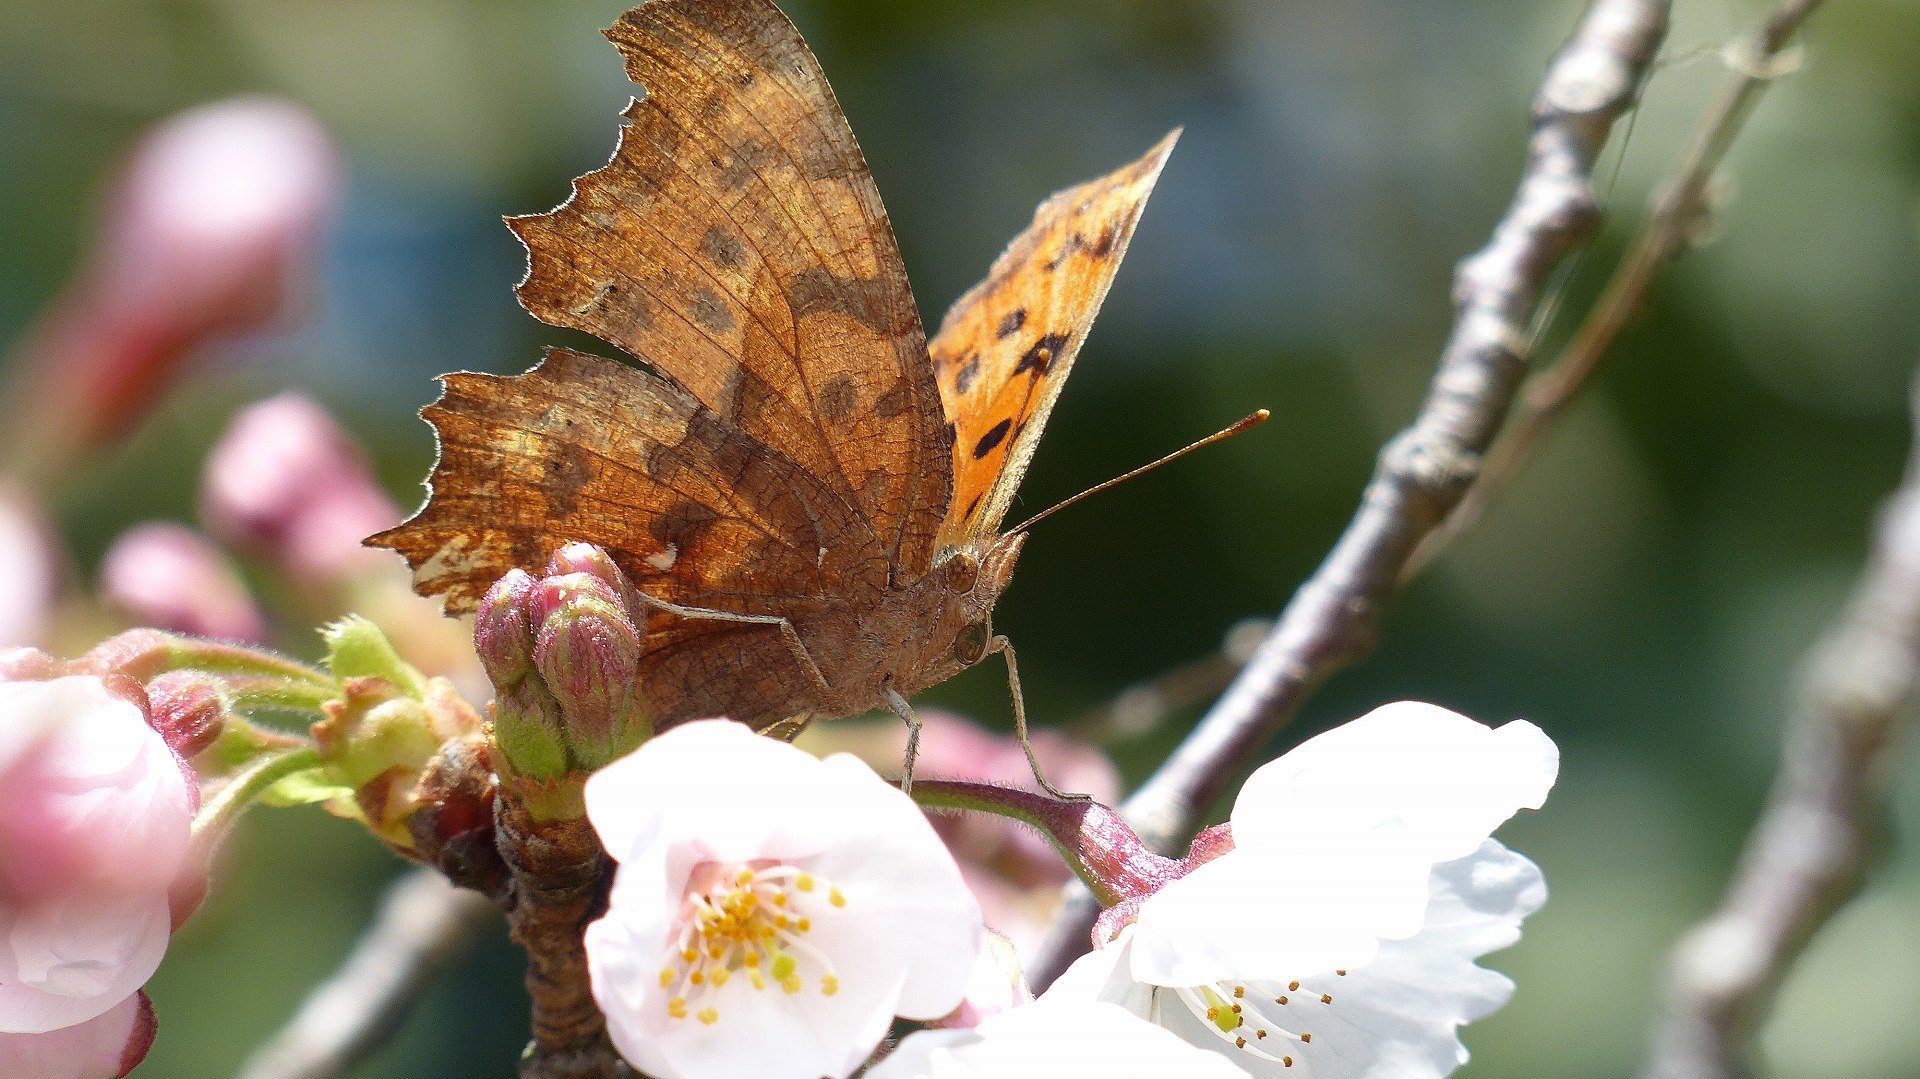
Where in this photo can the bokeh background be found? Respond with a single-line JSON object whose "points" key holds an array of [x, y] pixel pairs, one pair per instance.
{"points": [[1645, 592]]}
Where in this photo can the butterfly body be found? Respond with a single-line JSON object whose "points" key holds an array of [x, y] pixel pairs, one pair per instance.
{"points": [[806, 488]]}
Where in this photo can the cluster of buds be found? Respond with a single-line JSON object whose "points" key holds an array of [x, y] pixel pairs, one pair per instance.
{"points": [[563, 652], [382, 736]]}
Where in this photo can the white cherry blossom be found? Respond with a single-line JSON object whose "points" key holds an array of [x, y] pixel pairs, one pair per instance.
{"points": [[772, 912], [1338, 937]]}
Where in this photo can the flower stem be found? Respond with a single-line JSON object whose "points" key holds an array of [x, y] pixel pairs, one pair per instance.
{"points": [[218, 812], [1096, 844]]}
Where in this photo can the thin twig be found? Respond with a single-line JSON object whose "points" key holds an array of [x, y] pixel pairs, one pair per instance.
{"points": [[1423, 472], [1677, 221], [1808, 853], [422, 925]]}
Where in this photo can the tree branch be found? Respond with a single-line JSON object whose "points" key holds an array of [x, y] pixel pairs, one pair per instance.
{"points": [[1676, 222], [423, 924], [1424, 471], [1808, 853]]}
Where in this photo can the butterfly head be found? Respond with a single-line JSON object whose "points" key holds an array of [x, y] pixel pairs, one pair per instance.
{"points": [[968, 580]]}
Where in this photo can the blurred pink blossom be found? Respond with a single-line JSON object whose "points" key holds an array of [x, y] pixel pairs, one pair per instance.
{"points": [[104, 1047], [95, 819], [208, 232], [29, 568], [172, 577], [287, 483]]}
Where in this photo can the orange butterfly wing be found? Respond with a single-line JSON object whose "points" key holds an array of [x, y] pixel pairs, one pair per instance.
{"points": [[1005, 348]]}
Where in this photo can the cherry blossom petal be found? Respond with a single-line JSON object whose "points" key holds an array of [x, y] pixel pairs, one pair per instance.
{"points": [[65, 962], [1278, 912], [1405, 774], [1398, 1016], [719, 831], [99, 801], [1394, 1018], [1047, 1040], [104, 1047]]}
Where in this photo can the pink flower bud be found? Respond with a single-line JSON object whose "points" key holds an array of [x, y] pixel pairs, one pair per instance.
{"points": [[588, 559], [208, 233], [503, 631], [587, 649], [171, 577], [107, 1046], [95, 819], [287, 483], [187, 709]]}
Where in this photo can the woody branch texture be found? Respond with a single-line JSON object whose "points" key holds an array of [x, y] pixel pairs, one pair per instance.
{"points": [[1424, 471], [1808, 853]]}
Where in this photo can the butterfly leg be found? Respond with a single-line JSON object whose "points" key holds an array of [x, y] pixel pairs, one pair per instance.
{"points": [[1005, 647], [792, 636], [905, 711]]}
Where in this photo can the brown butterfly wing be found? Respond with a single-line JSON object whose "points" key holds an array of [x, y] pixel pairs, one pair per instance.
{"points": [[693, 510], [1005, 348], [735, 243], [584, 448]]}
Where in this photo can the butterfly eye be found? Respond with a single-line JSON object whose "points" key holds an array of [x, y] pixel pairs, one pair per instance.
{"points": [[971, 644], [959, 572]]}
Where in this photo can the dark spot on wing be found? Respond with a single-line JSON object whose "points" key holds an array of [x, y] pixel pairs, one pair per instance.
{"points": [[723, 248], [1012, 323], [1039, 358], [565, 475], [894, 402], [837, 399], [1102, 244], [971, 506], [710, 311], [750, 159], [1075, 242], [969, 370], [663, 461], [748, 396], [864, 298], [992, 438], [683, 524]]}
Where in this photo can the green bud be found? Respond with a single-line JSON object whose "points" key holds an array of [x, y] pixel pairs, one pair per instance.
{"points": [[356, 648], [527, 733]]}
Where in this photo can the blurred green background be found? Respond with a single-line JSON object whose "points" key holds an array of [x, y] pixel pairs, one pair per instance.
{"points": [[1645, 593]]}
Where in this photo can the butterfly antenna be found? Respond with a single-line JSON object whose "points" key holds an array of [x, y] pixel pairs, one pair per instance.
{"points": [[1229, 431]]}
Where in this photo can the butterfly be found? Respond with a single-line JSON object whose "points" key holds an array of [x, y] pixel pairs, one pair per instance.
{"points": [[807, 492]]}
